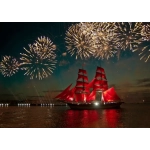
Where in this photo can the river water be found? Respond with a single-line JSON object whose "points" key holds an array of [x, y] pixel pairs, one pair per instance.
{"points": [[128, 116]]}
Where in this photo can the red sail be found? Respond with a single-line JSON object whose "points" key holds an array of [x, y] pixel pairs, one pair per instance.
{"points": [[81, 84], [82, 71], [70, 95], [90, 85], [110, 95], [103, 76], [63, 92], [82, 78], [100, 75], [91, 97], [81, 97], [81, 89], [100, 82], [100, 88], [100, 85], [78, 97], [100, 69], [64, 97]]}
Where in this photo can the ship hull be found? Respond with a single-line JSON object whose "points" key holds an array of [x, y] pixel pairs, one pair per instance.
{"points": [[88, 106]]}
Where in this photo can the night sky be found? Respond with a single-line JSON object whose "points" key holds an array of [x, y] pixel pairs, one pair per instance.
{"points": [[129, 75]]}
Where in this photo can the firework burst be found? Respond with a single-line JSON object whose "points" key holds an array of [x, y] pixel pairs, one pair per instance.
{"points": [[129, 35], [78, 44], [44, 47], [145, 52], [35, 65], [145, 46], [104, 40], [105, 50], [9, 66], [87, 28], [146, 32], [103, 31]]}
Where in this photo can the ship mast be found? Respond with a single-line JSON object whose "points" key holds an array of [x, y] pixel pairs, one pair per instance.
{"points": [[83, 92], [83, 78], [100, 92], [100, 74]]}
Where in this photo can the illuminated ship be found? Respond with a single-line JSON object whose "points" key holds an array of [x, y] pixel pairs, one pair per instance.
{"points": [[90, 95]]}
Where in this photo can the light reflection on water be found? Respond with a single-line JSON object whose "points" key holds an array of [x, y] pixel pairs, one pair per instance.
{"points": [[129, 116]]}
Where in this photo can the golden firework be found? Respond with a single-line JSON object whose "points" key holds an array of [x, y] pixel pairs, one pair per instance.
{"points": [[35, 65], [103, 31], [105, 50], [44, 47], [9, 66], [146, 32], [104, 40], [87, 28], [145, 45], [79, 43], [145, 53], [129, 35]]}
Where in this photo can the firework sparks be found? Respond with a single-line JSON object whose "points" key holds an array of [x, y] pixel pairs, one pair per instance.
{"points": [[9, 66], [44, 47], [78, 44], [145, 53], [105, 50], [129, 35], [145, 46], [36, 65], [104, 40], [103, 31], [64, 54], [87, 28], [146, 32]]}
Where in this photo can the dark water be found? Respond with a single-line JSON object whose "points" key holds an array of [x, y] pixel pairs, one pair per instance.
{"points": [[128, 116]]}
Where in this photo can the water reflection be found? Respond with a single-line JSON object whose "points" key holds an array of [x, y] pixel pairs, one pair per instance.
{"points": [[59, 117], [109, 118], [75, 118], [63, 117], [112, 117]]}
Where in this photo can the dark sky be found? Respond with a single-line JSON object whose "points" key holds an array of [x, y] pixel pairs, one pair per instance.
{"points": [[129, 75]]}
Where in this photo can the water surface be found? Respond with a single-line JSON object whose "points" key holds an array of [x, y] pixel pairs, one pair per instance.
{"points": [[128, 116]]}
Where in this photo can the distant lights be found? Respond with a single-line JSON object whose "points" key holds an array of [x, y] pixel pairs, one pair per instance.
{"points": [[47, 104], [5, 104], [24, 104]]}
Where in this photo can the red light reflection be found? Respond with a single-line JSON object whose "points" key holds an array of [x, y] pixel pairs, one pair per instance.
{"points": [[83, 118], [112, 117]]}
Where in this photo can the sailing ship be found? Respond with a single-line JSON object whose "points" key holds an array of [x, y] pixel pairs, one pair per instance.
{"points": [[90, 95]]}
